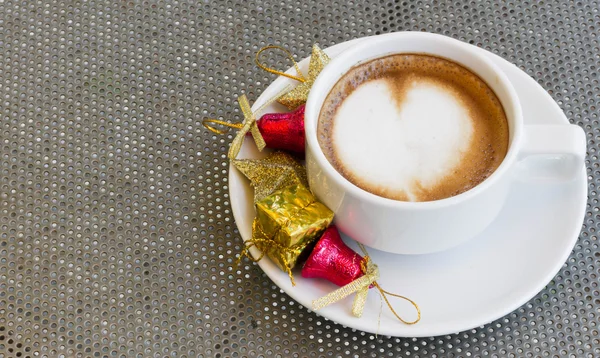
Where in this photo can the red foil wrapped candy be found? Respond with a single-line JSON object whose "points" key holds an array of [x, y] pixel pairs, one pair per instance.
{"points": [[332, 260], [283, 130]]}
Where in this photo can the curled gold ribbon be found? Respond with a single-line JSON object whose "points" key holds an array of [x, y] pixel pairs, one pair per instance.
{"points": [[247, 125], [206, 125], [360, 286], [299, 77]]}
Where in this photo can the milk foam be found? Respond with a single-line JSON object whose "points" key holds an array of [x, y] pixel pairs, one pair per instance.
{"points": [[401, 143]]}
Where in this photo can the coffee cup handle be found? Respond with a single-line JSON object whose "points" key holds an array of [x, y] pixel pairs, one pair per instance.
{"points": [[551, 153]]}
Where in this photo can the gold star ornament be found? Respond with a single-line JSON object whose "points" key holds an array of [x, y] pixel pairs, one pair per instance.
{"points": [[298, 96], [277, 171]]}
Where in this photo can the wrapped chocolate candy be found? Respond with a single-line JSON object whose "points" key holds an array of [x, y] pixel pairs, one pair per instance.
{"points": [[284, 130], [332, 260], [287, 223]]}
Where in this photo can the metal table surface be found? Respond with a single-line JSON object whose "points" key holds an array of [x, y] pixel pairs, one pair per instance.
{"points": [[116, 234]]}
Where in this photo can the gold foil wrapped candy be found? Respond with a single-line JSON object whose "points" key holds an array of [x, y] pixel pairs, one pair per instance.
{"points": [[287, 222]]}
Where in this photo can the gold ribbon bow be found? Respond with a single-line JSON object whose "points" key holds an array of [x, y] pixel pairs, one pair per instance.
{"points": [[360, 286], [247, 125]]}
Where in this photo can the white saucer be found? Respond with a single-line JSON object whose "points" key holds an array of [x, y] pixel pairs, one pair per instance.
{"points": [[468, 286]]}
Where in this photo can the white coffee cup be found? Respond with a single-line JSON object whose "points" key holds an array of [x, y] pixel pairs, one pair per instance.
{"points": [[425, 227]]}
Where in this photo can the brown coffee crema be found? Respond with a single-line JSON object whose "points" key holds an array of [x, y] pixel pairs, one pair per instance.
{"points": [[489, 140]]}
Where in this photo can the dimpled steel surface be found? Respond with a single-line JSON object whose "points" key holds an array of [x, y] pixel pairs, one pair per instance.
{"points": [[116, 234]]}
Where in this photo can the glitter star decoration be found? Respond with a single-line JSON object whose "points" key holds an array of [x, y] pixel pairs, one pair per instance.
{"points": [[277, 171], [299, 94]]}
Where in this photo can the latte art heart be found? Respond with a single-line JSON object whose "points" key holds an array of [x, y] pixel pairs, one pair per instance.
{"points": [[410, 145]]}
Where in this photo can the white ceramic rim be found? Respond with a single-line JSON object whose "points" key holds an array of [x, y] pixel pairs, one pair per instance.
{"points": [[330, 75]]}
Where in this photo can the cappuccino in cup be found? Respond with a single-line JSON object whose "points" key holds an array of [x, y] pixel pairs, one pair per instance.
{"points": [[413, 127]]}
